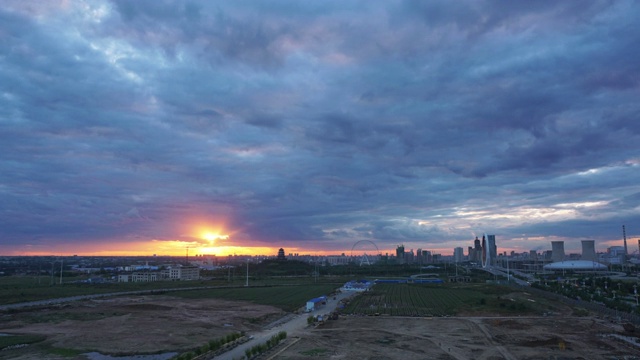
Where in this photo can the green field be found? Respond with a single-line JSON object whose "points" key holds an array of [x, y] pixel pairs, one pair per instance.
{"points": [[18, 289], [287, 298], [435, 300], [13, 340]]}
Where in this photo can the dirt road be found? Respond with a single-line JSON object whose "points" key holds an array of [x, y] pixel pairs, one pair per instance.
{"points": [[293, 327]]}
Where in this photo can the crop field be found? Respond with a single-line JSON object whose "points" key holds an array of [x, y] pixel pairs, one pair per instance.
{"points": [[287, 298], [17, 289], [434, 300]]}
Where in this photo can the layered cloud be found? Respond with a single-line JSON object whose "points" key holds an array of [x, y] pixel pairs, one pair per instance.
{"points": [[315, 125]]}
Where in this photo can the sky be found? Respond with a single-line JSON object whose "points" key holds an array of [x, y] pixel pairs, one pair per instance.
{"points": [[221, 127]]}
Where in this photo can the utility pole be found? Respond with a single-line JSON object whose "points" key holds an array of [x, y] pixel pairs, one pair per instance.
{"points": [[624, 237], [247, 283], [51, 282], [61, 264]]}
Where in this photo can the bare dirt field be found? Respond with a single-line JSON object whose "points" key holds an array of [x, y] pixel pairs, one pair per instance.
{"points": [[135, 324], [156, 324], [357, 337]]}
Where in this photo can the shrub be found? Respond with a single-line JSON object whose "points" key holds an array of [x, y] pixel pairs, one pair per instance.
{"points": [[580, 312]]}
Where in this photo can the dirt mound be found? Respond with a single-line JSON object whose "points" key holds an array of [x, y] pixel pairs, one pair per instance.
{"points": [[511, 324], [147, 307], [550, 341]]}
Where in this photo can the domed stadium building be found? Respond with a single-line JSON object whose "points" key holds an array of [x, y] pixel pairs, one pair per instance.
{"points": [[575, 265]]}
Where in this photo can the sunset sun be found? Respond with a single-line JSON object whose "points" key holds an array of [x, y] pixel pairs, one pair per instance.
{"points": [[212, 237]]}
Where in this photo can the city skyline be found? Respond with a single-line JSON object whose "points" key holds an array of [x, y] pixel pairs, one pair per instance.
{"points": [[139, 128]]}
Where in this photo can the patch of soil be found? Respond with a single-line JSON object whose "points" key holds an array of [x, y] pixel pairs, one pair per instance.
{"points": [[535, 337], [510, 324], [139, 324], [552, 341], [148, 307]]}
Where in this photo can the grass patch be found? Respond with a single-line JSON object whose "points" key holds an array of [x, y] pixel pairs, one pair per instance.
{"points": [[12, 291], [65, 352], [287, 298], [58, 317], [18, 289], [12, 340], [436, 300], [580, 312]]}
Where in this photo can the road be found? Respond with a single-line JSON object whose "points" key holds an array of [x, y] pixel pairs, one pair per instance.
{"points": [[295, 325], [500, 271], [96, 296]]}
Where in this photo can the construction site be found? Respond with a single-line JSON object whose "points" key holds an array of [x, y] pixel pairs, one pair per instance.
{"points": [[518, 324], [132, 326], [380, 337]]}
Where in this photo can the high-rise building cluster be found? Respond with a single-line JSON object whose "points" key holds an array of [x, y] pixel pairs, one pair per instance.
{"points": [[409, 257], [483, 252]]}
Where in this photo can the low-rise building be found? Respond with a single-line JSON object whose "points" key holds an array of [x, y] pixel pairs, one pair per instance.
{"points": [[316, 303], [173, 273], [182, 273], [359, 285], [139, 277]]}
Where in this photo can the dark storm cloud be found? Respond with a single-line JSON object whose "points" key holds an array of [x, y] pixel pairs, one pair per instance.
{"points": [[318, 123]]}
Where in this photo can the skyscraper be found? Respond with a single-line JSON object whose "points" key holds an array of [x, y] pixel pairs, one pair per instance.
{"points": [[400, 254], [475, 252], [491, 243], [557, 251], [489, 250], [484, 251], [458, 254]]}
